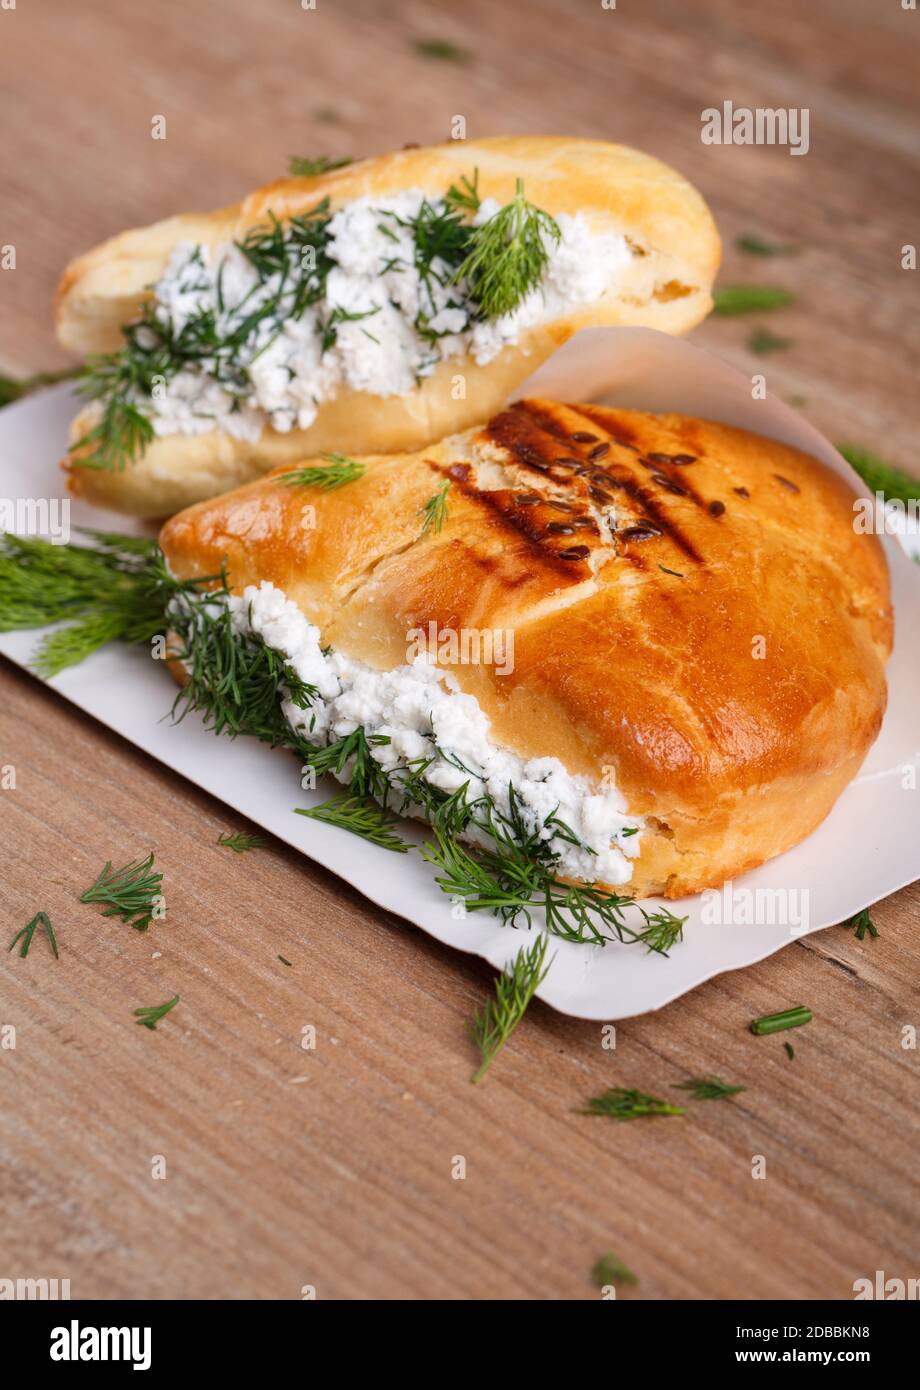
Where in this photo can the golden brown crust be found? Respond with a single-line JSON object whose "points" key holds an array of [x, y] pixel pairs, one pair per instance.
{"points": [[667, 286], [692, 609]]}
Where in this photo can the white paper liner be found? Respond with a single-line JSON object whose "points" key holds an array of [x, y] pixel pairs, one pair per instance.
{"points": [[868, 847]]}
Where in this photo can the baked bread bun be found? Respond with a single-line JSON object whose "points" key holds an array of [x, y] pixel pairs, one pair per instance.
{"points": [[693, 612], [670, 252]]}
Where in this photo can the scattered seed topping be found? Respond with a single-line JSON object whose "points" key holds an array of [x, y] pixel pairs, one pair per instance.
{"points": [[792, 487], [639, 533], [716, 508], [581, 438], [559, 528], [742, 491], [575, 552], [598, 451]]}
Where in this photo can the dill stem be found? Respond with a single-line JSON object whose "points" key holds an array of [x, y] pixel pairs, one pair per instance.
{"points": [[778, 1023]]}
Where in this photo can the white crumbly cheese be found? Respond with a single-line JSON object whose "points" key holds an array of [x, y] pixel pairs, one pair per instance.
{"points": [[424, 714], [288, 374]]}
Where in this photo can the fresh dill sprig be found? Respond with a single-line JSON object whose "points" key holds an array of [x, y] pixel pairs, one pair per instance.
{"points": [[131, 892], [662, 930], [241, 841], [507, 255], [117, 589], [283, 960], [778, 1023], [12, 390], [862, 923], [40, 920], [750, 299], [756, 246], [122, 383], [234, 682], [516, 875], [299, 166], [338, 471], [434, 511], [493, 1025], [610, 1270], [122, 432], [762, 341], [465, 195], [618, 1103], [880, 476], [360, 816], [441, 50], [790, 1050], [708, 1088], [150, 1017]]}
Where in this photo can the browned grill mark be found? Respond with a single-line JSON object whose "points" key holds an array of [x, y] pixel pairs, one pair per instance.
{"points": [[620, 432], [547, 421], [521, 431]]}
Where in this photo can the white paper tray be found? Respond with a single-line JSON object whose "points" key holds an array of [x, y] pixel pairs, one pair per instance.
{"points": [[868, 847]]}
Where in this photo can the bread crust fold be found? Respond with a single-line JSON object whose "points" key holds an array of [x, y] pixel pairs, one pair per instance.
{"points": [[693, 613], [676, 253]]}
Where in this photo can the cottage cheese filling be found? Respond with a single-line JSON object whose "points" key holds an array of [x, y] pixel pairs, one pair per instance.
{"points": [[425, 715], [384, 322]]}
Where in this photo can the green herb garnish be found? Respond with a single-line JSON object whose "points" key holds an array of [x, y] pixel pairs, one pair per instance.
{"points": [[880, 476], [40, 920], [283, 960], [777, 1023], [241, 841], [300, 167], [507, 255], [338, 471], [763, 341], [676, 573], [434, 511], [610, 1270], [493, 1025], [863, 923], [237, 685], [361, 817], [150, 1017], [517, 874], [708, 1088], [790, 1050], [618, 1103], [465, 195], [122, 383], [117, 589], [755, 246], [131, 892], [441, 50], [11, 390], [750, 299]]}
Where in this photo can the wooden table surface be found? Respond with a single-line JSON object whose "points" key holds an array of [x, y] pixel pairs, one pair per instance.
{"points": [[332, 1168]]}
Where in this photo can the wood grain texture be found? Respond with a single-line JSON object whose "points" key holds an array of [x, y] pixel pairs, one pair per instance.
{"points": [[332, 1167]]}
